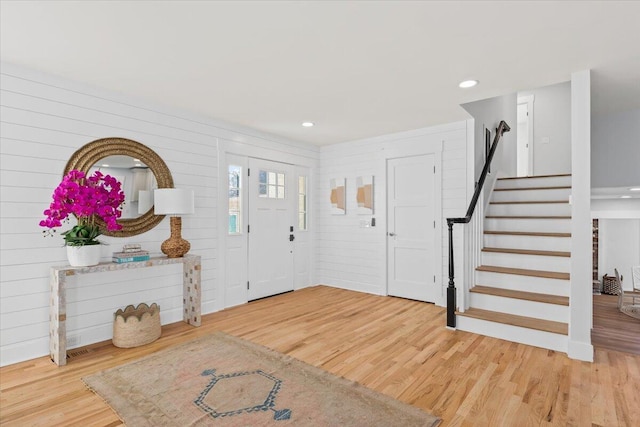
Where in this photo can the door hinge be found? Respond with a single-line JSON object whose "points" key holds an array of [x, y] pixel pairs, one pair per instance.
{"points": [[434, 169], [434, 279], [434, 224], [247, 284], [248, 172], [248, 228]]}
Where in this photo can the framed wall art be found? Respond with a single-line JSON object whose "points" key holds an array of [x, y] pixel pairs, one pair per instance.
{"points": [[364, 194], [338, 199]]}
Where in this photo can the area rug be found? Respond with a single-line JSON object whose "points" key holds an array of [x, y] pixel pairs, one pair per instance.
{"points": [[631, 310], [221, 380]]}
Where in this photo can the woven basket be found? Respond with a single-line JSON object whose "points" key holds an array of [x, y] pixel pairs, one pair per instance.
{"points": [[610, 285], [136, 326]]}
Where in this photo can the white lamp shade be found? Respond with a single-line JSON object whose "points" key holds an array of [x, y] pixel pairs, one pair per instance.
{"points": [[145, 201], [173, 201]]}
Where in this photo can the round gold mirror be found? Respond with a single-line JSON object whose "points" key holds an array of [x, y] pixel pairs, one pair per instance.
{"points": [[140, 168]]}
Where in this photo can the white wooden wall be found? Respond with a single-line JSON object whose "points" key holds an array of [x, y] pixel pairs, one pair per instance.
{"points": [[43, 121], [352, 257]]}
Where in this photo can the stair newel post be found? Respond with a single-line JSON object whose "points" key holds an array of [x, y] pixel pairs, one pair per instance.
{"points": [[451, 289]]}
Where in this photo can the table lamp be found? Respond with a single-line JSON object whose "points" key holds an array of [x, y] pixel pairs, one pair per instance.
{"points": [[174, 202]]}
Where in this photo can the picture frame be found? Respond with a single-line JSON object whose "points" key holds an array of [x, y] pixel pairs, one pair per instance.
{"points": [[364, 195], [338, 196]]}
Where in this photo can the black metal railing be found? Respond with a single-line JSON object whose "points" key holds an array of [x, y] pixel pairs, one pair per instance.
{"points": [[451, 289]]}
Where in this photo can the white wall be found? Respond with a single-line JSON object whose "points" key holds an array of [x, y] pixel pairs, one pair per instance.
{"points": [[618, 247], [44, 120], [351, 257], [615, 149], [551, 128], [487, 114], [581, 296], [615, 208]]}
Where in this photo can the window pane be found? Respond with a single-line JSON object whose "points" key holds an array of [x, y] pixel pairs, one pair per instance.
{"points": [[262, 177], [272, 178], [302, 221], [233, 223], [235, 198], [272, 192], [262, 190], [302, 202], [280, 192], [281, 179]]}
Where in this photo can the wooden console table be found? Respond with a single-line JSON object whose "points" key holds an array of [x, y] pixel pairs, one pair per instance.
{"points": [[58, 303]]}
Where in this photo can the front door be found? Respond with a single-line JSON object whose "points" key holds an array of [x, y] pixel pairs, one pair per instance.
{"points": [[271, 225], [411, 228]]}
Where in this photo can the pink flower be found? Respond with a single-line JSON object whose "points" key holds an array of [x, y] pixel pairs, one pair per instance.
{"points": [[87, 198]]}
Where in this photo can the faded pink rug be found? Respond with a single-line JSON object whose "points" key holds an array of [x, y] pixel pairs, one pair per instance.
{"points": [[221, 380]]}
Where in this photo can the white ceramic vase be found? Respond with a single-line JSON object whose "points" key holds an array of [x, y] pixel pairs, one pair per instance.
{"points": [[84, 256]]}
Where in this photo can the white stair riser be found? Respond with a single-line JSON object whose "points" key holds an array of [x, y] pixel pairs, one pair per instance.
{"points": [[542, 209], [530, 195], [527, 242], [551, 181], [539, 310], [540, 285], [532, 337], [530, 262], [534, 225]]}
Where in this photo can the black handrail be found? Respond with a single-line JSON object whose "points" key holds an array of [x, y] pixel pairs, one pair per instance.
{"points": [[451, 289]]}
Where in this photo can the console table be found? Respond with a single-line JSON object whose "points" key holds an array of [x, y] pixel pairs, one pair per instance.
{"points": [[58, 303]]}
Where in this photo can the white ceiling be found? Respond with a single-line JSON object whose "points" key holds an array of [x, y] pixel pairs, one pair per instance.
{"points": [[356, 69]]}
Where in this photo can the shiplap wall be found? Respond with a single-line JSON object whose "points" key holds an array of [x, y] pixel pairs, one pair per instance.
{"points": [[352, 257], [44, 120]]}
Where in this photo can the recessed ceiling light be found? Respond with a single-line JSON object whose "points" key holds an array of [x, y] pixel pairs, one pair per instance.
{"points": [[634, 189], [105, 165], [308, 124], [136, 160], [468, 83], [625, 197]]}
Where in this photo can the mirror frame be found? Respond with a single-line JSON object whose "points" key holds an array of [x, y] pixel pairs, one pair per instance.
{"points": [[89, 154]]}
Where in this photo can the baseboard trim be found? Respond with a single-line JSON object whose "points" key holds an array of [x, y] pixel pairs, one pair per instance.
{"points": [[580, 351]]}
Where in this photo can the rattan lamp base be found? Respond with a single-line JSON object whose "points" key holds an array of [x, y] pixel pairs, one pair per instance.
{"points": [[175, 246]]}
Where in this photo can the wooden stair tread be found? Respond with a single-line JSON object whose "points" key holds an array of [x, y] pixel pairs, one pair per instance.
{"points": [[528, 202], [527, 252], [533, 176], [529, 216], [524, 272], [528, 233], [559, 187], [528, 296], [514, 320]]}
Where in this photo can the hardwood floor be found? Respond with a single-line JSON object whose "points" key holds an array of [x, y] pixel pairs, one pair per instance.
{"points": [[397, 347], [612, 329]]}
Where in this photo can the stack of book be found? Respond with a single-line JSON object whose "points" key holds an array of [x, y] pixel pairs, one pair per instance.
{"points": [[131, 253]]}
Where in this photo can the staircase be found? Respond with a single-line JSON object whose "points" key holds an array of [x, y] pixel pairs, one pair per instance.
{"points": [[521, 290]]}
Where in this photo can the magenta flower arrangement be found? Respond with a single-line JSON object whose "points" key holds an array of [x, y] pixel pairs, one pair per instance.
{"points": [[89, 199]]}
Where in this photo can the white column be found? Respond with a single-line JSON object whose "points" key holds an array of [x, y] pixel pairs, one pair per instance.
{"points": [[581, 304]]}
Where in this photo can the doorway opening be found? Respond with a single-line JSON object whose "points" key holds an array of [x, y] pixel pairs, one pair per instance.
{"points": [[525, 136]]}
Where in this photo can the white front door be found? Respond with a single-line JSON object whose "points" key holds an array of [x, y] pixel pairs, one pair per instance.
{"points": [[411, 228], [271, 224]]}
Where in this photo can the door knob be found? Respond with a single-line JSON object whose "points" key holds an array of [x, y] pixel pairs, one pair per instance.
{"points": [[391, 234]]}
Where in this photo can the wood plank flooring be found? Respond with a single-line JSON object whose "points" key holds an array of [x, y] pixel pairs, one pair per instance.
{"points": [[611, 328], [395, 346]]}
